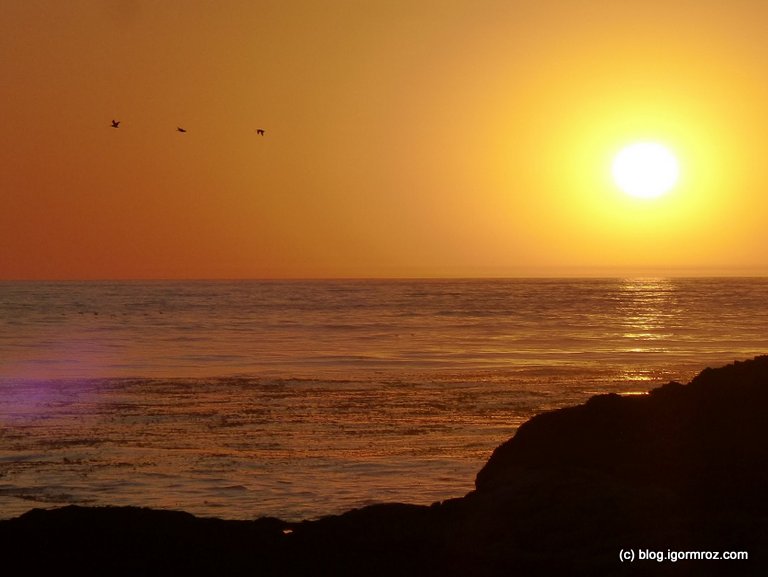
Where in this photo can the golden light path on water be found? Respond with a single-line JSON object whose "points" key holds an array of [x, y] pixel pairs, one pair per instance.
{"points": [[347, 393]]}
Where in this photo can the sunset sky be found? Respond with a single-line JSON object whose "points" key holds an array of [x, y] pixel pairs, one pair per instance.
{"points": [[404, 138]]}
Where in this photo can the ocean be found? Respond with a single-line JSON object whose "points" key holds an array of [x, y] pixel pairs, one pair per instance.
{"points": [[297, 399]]}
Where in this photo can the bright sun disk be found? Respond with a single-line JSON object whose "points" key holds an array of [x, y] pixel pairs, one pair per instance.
{"points": [[645, 169]]}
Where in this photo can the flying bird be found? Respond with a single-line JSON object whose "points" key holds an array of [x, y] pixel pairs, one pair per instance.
{"points": [[260, 131], [115, 124], [180, 129]]}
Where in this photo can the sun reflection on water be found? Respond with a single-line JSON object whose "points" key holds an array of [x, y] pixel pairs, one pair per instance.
{"points": [[648, 310]]}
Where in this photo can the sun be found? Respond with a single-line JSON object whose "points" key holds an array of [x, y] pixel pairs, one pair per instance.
{"points": [[645, 169]]}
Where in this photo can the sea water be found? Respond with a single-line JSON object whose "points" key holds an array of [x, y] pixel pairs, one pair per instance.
{"points": [[297, 399]]}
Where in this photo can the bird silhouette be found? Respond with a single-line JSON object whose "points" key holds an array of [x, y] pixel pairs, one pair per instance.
{"points": [[260, 131], [180, 129], [115, 124]]}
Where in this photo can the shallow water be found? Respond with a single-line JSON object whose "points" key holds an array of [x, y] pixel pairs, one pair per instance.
{"points": [[299, 399]]}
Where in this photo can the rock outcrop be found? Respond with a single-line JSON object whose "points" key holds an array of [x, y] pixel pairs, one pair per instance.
{"points": [[684, 468]]}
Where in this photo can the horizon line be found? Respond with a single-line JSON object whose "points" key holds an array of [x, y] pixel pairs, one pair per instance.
{"points": [[530, 274]]}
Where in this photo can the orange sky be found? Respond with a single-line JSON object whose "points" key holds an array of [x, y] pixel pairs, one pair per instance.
{"points": [[403, 137]]}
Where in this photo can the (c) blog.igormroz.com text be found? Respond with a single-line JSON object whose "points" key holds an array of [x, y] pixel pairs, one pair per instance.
{"points": [[672, 556]]}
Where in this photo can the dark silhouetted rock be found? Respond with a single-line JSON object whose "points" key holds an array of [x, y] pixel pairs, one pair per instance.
{"points": [[684, 468], [118, 541]]}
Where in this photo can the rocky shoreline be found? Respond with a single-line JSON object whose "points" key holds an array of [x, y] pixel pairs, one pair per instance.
{"points": [[684, 468]]}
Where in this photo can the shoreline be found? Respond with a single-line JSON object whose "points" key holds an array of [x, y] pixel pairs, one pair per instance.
{"points": [[682, 468]]}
